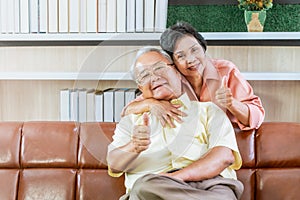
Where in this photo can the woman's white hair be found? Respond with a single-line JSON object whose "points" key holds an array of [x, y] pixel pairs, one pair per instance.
{"points": [[144, 50]]}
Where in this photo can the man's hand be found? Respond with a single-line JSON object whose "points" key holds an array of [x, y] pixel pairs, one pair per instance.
{"points": [[141, 135], [224, 95]]}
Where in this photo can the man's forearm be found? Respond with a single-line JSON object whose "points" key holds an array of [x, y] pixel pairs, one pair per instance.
{"points": [[209, 166]]}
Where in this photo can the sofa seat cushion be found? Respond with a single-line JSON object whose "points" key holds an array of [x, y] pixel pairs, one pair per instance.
{"points": [[9, 183], [278, 184], [90, 181], [47, 184]]}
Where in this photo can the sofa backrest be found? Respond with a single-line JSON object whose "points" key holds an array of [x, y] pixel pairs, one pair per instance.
{"points": [[49, 160], [66, 160]]}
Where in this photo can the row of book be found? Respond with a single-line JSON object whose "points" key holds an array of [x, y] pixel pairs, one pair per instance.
{"points": [[82, 16], [90, 105]]}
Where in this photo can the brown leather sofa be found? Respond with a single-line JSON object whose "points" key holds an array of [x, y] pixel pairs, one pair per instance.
{"points": [[66, 160]]}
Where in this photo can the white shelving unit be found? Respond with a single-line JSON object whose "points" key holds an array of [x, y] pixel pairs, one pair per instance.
{"points": [[142, 37], [126, 76]]}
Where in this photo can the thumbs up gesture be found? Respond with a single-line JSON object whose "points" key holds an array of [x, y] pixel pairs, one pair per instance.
{"points": [[141, 135], [224, 95]]}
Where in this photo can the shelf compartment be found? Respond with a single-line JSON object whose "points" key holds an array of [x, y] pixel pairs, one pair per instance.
{"points": [[126, 76]]}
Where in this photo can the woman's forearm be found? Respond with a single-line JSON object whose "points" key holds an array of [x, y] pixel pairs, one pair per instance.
{"points": [[137, 107], [240, 111]]}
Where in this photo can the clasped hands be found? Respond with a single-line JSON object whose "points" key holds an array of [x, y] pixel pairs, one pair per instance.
{"points": [[167, 112]]}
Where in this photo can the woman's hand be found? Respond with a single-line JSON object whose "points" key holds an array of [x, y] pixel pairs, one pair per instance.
{"points": [[166, 112], [224, 95], [163, 110], [224, 98]]}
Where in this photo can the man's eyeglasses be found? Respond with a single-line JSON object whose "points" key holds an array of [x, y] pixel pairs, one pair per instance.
{"points": [[157, 69]]}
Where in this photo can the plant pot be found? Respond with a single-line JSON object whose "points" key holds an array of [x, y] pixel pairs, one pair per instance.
{"points": [[255, 20]]}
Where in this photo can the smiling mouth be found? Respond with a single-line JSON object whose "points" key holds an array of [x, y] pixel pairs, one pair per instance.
{"points": [[155, 87], [194, 67]]}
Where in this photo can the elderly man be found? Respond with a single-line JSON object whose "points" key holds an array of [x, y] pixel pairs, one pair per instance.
{"points": [[195, 160]]}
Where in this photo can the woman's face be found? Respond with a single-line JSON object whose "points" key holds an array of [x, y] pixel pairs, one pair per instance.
{"points": [[189, 56]]}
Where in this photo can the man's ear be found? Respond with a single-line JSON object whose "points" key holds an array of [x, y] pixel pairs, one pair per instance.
{"points": [[140, 88]]}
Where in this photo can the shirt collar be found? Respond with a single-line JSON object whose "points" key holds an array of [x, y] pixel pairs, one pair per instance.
{"points": [[210, 72]]}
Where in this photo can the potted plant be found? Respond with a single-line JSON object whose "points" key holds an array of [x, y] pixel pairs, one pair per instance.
{"points": [[255, 13]]}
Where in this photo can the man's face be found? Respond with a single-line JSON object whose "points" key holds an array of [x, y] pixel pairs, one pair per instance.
{"points": [[156, 77]]}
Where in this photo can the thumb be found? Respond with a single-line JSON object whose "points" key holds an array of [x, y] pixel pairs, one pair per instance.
{"points": [[145, 119], [224, 82]]}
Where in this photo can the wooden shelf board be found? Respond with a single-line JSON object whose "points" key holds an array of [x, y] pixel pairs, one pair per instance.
{"points": [[127, 76]]}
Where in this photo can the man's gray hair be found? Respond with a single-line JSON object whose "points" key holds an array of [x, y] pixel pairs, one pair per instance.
{"points": [[144, 50]]}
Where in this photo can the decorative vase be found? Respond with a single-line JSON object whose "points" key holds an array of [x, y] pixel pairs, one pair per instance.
{"points": [[255, 20]]}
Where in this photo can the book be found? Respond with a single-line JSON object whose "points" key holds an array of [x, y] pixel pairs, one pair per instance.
{"points": [[33, 16], [161, 11], [119, 103], [65, 104], [99, 106], [121, 16], [52, 16], [130, 19], [16, 13], [149, 15], [74, 20], [82, 93], [102, 16], [7, 16], [74, 105], [43, 16], [24, 16], [63, 12], [90, 105], [3, 16], [139, 15], [10, 17], [130, 95], [108, 104], [111, 20], [91, 18], [83, 16]]}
